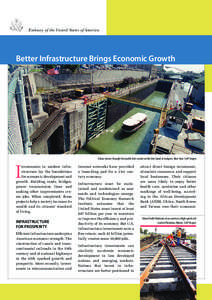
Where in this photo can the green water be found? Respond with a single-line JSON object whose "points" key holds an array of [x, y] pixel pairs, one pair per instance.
{"points": [[114, 141], [157, 99]]}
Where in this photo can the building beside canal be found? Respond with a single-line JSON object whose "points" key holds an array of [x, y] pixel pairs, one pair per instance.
{"points": [[198, 92], [175, 120]]}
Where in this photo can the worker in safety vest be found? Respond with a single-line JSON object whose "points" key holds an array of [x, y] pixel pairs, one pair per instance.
{"points": [[161, 243], [172, 244], [178, 237], [170, 237]]}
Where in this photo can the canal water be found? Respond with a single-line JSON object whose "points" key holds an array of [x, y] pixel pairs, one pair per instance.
{"points": [[114, 141]]}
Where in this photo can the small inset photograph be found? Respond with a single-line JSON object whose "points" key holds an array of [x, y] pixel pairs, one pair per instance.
{"points": [[106, 109], [168, 262]]}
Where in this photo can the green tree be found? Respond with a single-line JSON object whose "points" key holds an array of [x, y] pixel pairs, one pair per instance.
{"points": [[48, 66], [73, 68]]}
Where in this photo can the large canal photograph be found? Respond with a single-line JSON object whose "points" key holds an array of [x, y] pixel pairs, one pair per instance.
{"points": [[106, 109]]}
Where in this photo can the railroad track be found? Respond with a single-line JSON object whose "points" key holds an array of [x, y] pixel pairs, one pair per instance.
{"points": [[168, 270]]}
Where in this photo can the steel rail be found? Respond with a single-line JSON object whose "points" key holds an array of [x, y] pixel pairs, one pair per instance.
{"points": [[146, 247], [189, 249], [149, 245], [148, 269], [187, 282]]}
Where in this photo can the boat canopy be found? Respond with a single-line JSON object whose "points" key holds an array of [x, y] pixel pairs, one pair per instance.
{"points": [[135, 119]]}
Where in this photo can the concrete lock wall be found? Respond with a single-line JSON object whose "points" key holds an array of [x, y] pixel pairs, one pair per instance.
{"points": [[164, 86], [99, 77], [108, 76], [15, 144], [72, 78], [49, 81], [36, 105], [76, 133], [32, 84], [198, 94], [43, 81], [77, 127], [41, 145]]}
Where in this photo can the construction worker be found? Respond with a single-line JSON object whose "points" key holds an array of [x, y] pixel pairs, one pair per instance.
{"points": [[183, 234], [178, 236], [172, 244], [161, 243], [170, 237]]}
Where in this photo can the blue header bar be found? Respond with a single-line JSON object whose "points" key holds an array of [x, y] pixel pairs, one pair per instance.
{"points": [[106, 49]]}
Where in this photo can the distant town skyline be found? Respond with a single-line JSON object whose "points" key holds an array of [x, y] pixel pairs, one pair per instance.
{"points": [[167, 230], [177, 68]]}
